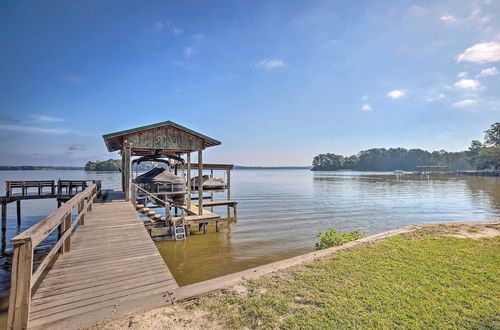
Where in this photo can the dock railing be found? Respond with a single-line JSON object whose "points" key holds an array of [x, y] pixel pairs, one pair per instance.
{"points": [[23, 279], [135, 187]]}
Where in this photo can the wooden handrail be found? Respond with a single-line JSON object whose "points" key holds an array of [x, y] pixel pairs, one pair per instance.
{"points": [[22, 277], [149, 194], [165, 203]]}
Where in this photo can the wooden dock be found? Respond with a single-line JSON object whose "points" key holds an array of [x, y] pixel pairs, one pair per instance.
{"points": [[110, 267]]}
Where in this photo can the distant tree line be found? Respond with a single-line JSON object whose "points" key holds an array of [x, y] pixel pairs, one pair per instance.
{"points": [[38, 168], [484, 155], [115, 164]]}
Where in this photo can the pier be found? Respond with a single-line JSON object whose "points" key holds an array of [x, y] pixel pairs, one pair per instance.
{"points": [[61, 190], [104, 263]]}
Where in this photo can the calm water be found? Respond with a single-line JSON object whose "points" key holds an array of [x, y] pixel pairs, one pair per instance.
{"points": [[280, 213]]}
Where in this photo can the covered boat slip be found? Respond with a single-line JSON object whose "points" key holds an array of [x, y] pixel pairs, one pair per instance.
{"points": [[170, 140]]}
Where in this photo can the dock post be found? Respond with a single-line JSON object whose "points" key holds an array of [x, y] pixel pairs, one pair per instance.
{"points": [[20, 288], [18, 209], [200, 183], [4, 216], [217, 226], [188, 201], [228, 189]]}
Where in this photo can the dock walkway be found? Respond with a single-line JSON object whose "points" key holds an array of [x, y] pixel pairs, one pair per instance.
{"points": [[113, 268]]}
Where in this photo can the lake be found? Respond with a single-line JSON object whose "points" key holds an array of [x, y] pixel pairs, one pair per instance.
{"points": [[280, 212]]}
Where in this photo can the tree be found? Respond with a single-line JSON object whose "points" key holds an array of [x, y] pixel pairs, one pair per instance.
{"points": [[492, 135], [489, 158], [473, 152]]}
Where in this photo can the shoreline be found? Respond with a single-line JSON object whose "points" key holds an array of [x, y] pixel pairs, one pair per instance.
{"points": [[237, 280]]}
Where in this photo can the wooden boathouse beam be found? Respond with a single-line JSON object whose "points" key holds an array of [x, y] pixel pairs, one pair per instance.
{"points": [[200, 182]]}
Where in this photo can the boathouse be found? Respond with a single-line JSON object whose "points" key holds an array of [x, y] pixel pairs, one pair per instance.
{"points": [[166, 139]]}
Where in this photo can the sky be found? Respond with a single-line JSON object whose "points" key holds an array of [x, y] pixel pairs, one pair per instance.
{"points": [[277, 82]]}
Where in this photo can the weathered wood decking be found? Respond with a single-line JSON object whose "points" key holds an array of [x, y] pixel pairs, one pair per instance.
{"points": [[113, 268]]}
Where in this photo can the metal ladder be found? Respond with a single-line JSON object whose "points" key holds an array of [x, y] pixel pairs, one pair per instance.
{"points": [[180, 229]]}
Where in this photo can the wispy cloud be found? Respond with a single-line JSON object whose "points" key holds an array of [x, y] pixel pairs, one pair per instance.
{"points": [[462, 74], [478, 17], [77, 147], [488, 72], [366, 107], [481, 53], [448, 18], [468, 84], [438, 97], [9, 119], [465, 103], [396, 94], [32, 129], [190, 51], [46, 118], [270, 64], [177, 31], [75, 79]]}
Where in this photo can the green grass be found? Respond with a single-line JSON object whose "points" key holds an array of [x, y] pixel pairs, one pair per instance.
{"points": [[414, 281]]}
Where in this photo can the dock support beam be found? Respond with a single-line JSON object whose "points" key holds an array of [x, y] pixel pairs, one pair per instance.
{"points": [[228, 190], [126, 155], [18, 209], [20, 288], [188, 202], [200, 183], [4, 216]]}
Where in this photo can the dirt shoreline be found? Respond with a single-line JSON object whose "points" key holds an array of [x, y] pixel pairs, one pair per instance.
{"points": [[182, 315]]}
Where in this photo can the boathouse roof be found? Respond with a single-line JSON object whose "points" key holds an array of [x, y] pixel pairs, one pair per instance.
{"points": [[165, 135]]}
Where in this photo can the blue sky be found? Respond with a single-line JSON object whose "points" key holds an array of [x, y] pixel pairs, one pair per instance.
{"points": [[277, 82]]}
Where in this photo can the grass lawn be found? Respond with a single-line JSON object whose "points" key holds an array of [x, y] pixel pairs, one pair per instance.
{"points": [[419, 280]]}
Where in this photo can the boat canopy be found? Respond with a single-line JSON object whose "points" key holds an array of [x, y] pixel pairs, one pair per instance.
{"points": [[158, 175]]}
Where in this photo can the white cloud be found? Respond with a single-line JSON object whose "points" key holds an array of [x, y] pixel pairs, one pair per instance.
{"points": [[177, 31], [462, 74], [465, 103], [436, 98], [45, 118], [366, 107], [396, 94], [270, 64], [448, 18], [488, 72], [478, 17], [190, 51], [31, 129], [468, 84], [481, 53]]}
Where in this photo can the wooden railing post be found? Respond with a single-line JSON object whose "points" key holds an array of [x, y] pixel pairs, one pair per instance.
{"points": [[134, 194], [20, 288], [80, 209], [66, 225], [168, 214]]}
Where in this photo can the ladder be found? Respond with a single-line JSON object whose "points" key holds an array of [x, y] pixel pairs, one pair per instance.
{"points": [[180, 227]]}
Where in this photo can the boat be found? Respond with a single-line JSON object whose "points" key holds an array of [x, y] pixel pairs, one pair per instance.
{"points": [[161, 182], [209, 183]]}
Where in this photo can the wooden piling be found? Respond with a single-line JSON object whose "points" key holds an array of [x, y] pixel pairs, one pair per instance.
{"points": [[200, 182], [20, 288], [18, 209], [228, 183], [188, 160], [4, 217]]}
